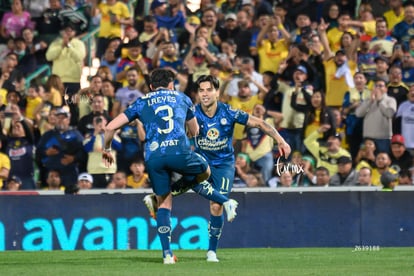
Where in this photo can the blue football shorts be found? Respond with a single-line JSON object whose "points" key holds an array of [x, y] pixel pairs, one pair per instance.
{"points": [[160, 169], [222, 177]]}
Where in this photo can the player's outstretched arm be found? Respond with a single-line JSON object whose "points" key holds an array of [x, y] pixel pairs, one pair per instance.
{"points": [[284, 147], [110, 129]]}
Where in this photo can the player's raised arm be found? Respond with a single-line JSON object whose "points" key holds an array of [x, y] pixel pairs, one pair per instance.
{"points": [[284, 147]]}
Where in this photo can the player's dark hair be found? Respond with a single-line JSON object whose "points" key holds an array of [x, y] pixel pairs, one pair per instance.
{"points": [[207, 78], [161, 78]]}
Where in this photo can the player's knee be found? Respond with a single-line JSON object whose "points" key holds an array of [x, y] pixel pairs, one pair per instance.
{"points": [[204, 176], [216, 208]]}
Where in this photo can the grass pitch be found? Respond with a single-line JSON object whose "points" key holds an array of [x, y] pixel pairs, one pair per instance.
{"points": [[235, 262]]}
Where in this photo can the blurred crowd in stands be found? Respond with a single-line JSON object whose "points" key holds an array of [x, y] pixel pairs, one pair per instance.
{"points": [[336, 78]]}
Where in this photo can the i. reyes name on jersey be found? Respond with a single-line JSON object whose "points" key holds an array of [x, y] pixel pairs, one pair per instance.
{"points": [[152, 97]]}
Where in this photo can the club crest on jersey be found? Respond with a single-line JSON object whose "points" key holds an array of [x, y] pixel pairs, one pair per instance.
{"points": [[213, 133]]}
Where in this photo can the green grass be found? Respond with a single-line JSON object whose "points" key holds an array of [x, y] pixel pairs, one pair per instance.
{"points": [[235, 262]]}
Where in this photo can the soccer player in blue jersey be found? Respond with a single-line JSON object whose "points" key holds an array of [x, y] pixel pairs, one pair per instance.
{"points": [[165, 113], [214, 141]]}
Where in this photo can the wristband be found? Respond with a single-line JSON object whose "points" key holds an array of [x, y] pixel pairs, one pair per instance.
{"points": [[107, 150]]}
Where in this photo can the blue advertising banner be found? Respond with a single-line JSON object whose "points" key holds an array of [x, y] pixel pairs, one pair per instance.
{"points": [[265, 219]]}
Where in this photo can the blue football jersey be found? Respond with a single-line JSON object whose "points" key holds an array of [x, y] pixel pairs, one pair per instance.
{"points": [[215, 140], [163, 114]]}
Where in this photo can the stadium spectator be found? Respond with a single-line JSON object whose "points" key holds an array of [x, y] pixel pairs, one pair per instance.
{"points": [[209, 19], [49, 24], [85, 181], [93, 146], [245, 23], [364, 177], [316, 113], [166, 56], [13, 22], [379, 7], [11, 77], [382, 164], [346, 175], [20, 148], [128, 94], [109, 58], [114, 15], [396, 87], [270, 49], [401, 26], [305, 178], [61, 149], [86, 125], [335, 34], [352, 99], [54, 181], [366, 154], [378, 112], [33, 100], [246, 70], [383, 42], [389, 180], [293, 120], [326, 155], [244, 101], [5, 165], [303, 29], [173, 21], [339, 70], [321, 178], [200, 55], [296, 8], [404, 178], [285, 180], [132, 139], [56, 89], [401, 159], [405, 120], [134, 55], [79, 16], [259, 146], [332, 15], [105, 73], [26, 59], [138, 177], [85, 96], [35, 46], [108, 90], [281, 10], [14, 183], [118, 181], [45, 116], [67, 54]]}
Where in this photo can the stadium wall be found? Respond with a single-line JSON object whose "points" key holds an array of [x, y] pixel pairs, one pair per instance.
{"points": [[118, 220]]}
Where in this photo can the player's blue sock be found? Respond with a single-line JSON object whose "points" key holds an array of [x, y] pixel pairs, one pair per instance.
{"points": [[214, 231], [207, 191], [164, 230]]}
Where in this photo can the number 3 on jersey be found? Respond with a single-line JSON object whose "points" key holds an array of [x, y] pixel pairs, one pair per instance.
{"points": [[168, 119]]}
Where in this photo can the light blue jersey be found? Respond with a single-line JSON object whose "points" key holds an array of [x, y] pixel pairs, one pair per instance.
{"points": [[215, 140], [163, 113]]}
